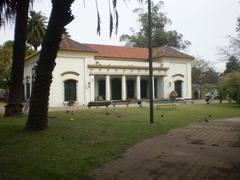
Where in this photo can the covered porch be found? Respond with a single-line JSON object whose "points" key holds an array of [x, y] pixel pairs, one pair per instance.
{"points": [[125, 87]]}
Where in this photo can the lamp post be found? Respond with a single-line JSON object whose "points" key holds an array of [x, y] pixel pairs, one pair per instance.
{"points": [[150, 60]]}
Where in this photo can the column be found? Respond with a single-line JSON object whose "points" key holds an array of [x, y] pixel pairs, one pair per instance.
{"points": [[92, 88], [153, 85], [107, 83], [138, 86], [124, 88]]}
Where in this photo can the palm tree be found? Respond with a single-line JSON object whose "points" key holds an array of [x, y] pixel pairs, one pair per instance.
{"points": [[7, 10], [60, 16], [36, 29]]}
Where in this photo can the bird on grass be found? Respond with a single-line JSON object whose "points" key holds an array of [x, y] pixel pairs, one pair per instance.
{"points": [[206, 120], [162, 115], [209, 115], [107, 113]]}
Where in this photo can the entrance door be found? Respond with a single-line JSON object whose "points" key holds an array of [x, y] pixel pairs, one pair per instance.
{"points": [[101, 89], [144, 87], [116, 89], [178, 88], [130, 89]]}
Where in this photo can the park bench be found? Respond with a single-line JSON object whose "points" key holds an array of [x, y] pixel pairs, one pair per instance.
{"points": [[165, 103], [98, 103], [185, 100], [123, 102]]}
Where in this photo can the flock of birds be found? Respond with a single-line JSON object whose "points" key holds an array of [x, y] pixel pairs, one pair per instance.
{"points": [[206, 119]]}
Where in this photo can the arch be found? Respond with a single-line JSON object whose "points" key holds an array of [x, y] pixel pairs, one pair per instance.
{"points": [[70, 90], [180, 75], [70, 72]]}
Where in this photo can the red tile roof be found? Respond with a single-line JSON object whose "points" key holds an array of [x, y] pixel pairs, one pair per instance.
{"points": [[68, 44], [120, 52], [166, 51]]}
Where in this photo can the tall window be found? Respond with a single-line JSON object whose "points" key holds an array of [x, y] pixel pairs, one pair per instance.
{"points": [[70, 90]]}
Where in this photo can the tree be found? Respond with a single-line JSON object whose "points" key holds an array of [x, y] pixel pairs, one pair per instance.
{"points": [[202, 73], [7, 11], [233, 64], [5, 62], [160, 35], [234, 45], [36, 29], [14, 106], [60, 16], [229, 86], [6, 51]]}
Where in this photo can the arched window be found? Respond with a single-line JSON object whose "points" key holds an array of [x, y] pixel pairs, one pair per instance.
{"points": [[178, 87], [70, 90]]}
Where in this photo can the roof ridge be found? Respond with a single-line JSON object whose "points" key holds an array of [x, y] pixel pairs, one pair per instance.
{"points": [[115, 46]]}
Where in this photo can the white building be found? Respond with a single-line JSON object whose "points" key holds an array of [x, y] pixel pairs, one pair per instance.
{"points": [[89, 72]]}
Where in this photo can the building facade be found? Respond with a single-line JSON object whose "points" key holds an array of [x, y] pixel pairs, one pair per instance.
{"points": [[88, 72]]}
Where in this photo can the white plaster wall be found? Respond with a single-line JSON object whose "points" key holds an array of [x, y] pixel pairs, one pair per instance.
{"points": [[78, 62], [71, 62], [178, 66]]}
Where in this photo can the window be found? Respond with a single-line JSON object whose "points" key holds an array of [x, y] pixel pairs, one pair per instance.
{"points": [[70, 90]]}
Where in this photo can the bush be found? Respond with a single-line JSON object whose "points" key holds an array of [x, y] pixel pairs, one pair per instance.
{"points": [[229, 86], [173, 95]]}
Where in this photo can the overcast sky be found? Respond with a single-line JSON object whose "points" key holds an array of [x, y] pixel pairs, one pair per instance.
{"points": [[205, 23]]}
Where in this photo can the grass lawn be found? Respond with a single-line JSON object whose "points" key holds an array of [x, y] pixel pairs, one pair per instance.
{"points": [[68, 149]]}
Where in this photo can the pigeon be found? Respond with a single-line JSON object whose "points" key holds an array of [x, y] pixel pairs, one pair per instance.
{"points": [[67, 112], [205, 119], [107, 113], [209, 115], [162, 115]]}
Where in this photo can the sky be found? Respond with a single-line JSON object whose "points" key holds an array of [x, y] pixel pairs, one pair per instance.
{"points": [[205, 23]]}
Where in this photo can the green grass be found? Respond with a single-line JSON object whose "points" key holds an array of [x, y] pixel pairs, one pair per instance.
{"points": [[69, 149]]}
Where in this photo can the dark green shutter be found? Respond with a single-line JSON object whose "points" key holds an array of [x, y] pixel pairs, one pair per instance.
{"points": [[70, 90]]}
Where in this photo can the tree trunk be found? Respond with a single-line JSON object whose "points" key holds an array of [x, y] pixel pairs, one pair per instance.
{"points": [[60, 16], [14, 106]]}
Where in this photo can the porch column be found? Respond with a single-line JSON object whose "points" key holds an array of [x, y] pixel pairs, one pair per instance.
{"points": [[138, 86], [92, 88], [123, 88], [153, 87], [107, 80]]}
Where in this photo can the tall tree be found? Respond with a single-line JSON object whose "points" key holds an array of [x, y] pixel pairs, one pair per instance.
{"points": [[233, 64], [7, 11], [6, 51], [203, 72], [160, 36], [233, 49], [14, 106], [60, 16], [36, 29]]}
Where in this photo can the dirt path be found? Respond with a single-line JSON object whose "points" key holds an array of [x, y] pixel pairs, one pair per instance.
{"points": [[198, 151]]}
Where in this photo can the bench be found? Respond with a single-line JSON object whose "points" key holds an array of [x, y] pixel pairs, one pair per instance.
{"points": [[123, 102], [98, 103], [185, 100], [120, 102], [165, 103]]}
